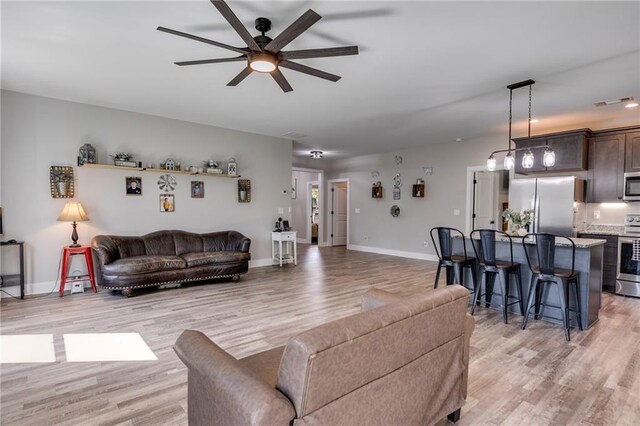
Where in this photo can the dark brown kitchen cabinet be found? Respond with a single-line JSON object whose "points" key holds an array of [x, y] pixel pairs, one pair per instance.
{"points": [[609, 261], [606, 168], [632, 152], [571, 150]]}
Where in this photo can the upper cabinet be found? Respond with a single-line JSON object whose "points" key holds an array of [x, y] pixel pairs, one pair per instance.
{"points": [[606, 168], [632, 152], [571, 150]]}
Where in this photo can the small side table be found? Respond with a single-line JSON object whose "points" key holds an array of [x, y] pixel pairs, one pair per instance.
{"points": [[67, 252], [9, 278], [290, 255]]}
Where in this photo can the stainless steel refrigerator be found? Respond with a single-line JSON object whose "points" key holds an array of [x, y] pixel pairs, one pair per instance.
{"points": [[555, 202]]}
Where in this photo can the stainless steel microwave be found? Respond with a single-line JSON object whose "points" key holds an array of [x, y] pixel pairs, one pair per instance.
{"points": [[631, 187]]}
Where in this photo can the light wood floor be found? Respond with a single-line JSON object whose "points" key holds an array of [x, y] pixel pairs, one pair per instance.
{"points": [[516, 377]]}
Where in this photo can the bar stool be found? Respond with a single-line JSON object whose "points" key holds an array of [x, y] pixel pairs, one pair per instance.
{"points": [[454, 264], [546, 273], [490, 267]]}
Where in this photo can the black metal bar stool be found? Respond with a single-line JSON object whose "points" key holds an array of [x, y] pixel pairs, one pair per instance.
{"points": [[546, 273], [490, 267], [453, 263]]}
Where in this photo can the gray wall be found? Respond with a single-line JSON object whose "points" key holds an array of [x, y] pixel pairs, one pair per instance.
{"points": [[38, 132]]}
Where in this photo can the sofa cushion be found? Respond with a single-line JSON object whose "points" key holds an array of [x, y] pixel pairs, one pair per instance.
{"points": [[215, 241], [129, 246], [187, 242], [160, 243], [211, 258], [144, 265]]}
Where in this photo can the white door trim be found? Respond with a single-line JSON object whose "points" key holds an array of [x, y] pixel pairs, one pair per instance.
{"points": [[468, 221], [321, 222], [330, 183]]}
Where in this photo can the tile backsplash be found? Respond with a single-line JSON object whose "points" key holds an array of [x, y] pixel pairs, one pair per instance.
{"points": [[610, 213]]}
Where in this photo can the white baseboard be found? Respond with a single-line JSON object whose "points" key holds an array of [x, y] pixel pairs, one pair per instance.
{"points": [[260, 262], [399, 253], [302, 241]]}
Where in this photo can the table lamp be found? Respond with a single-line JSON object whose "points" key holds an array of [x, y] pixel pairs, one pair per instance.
{"points": [[73, 212]]}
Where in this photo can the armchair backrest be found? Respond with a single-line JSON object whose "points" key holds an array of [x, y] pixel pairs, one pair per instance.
{"points": [[370, 366]]}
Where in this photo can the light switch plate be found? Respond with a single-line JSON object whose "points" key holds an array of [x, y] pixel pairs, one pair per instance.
{"points": [[596, 214], [357, 210], [280, 210], [456, 212]]}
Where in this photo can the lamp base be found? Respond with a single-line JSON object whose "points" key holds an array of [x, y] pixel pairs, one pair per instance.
{"points": [[74, 235]]}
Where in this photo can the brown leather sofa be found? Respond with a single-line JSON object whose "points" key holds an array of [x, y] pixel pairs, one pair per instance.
{"points": [[165, 257], [402, 361]]}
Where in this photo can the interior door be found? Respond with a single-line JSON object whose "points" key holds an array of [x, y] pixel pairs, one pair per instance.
{"points": [[485, 199], [339, 214]]}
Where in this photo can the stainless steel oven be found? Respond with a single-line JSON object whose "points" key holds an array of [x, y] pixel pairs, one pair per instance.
{"points": [[631, 187], [628, 269]]}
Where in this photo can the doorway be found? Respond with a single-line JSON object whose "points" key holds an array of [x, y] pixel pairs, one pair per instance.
{"points": [[339, 189], [490, 199], [313, 211]]}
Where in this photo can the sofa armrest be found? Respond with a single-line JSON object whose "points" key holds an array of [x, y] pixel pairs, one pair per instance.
{"points": [[224, 391], [375, 298], [469, 326], [238, 242], [105, 248]]}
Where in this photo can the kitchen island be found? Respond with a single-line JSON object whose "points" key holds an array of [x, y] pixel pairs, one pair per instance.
{"points": [[588, 265]]}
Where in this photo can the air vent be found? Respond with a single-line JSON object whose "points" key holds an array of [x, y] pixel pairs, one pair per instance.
{"points": [[294, 135], [613, 102]]}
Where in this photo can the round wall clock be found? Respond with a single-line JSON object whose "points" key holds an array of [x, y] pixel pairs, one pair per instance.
{"points": [[167, 183]]}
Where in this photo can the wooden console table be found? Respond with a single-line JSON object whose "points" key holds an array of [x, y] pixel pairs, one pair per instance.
{"points": [[20, 276]]}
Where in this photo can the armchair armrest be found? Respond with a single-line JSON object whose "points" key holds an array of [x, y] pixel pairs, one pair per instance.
{"points": [[375, 298], [224, 392], [238, 242]]}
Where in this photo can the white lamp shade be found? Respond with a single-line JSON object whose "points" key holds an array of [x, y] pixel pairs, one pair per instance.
{"points": [[549, 158], [527, 160], [509, 161], [73, 212], [491, 163]]}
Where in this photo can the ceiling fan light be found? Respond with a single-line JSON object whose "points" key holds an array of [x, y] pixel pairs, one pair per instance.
{"points": [[549, 158], [527, 160], [509, 161], [262, 62], [491, 163]]}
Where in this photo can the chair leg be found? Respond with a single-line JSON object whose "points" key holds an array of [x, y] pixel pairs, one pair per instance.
{"points": [[564, 306], [504, 281], [541, 294], [519, 290], [577, 295], [435, 285], [454, 417], [476, 294], [458, 274], [449, 272], [488, 291], [531, 300], [474, 276]]}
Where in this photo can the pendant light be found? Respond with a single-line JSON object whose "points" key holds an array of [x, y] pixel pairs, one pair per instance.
{"points": [[528, 159]]}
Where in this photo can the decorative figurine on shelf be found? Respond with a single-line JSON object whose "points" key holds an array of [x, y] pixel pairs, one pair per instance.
{"points": [[87, 154], [169, 164], [213, 167], [232, 167], [123, 159]]}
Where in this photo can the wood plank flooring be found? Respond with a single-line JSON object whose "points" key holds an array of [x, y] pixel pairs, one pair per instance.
{"points": [[530, 377]]}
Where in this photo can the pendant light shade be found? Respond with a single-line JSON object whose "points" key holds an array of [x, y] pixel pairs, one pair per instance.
{"points": [[549, 158], [509, 161], [491, 163], [527, 160]]}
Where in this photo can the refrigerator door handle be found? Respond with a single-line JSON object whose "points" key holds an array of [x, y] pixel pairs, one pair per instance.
{"points": [[536, 219]]}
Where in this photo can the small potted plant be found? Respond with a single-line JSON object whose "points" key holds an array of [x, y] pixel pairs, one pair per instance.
{"points": [[62, 180], [518, 221]]}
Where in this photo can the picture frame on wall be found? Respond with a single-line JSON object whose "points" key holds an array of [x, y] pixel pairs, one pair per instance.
{"points": [[133, 185], [197, 189], [294, 188], [167, 203]]}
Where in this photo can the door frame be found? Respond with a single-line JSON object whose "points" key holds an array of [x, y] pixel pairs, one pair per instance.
{"points": [[310, 184], [471, 170], [321, 240], [330, 184]]}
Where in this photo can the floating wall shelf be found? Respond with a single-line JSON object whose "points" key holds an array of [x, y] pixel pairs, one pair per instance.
{"points": [[144, 169]]}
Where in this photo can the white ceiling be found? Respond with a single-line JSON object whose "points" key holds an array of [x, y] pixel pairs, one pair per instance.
{"points": [[428, 72]]}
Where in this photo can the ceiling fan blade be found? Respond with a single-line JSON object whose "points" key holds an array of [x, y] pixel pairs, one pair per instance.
{"points": [[238, 78], [211, 61], [233, 20], [202, 40], [302, 24], [282, 82], [319, 53], [308, 70]]}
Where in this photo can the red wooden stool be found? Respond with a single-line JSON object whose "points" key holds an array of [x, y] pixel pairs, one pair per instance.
{"points": [[67, 252]]}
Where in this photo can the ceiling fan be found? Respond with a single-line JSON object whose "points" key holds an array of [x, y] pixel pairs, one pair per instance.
{"points": [[264, 54]]}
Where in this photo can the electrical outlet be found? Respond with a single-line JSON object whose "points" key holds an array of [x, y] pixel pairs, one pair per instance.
{"points": [[456, 212], [596, 214], [357, 210]]}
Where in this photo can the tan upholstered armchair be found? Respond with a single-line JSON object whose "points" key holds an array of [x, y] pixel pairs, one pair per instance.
{"points": [[403, 360]]}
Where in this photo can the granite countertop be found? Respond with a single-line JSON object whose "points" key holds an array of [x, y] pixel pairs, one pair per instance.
{"points": [[604, 229], [579, 242]]}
